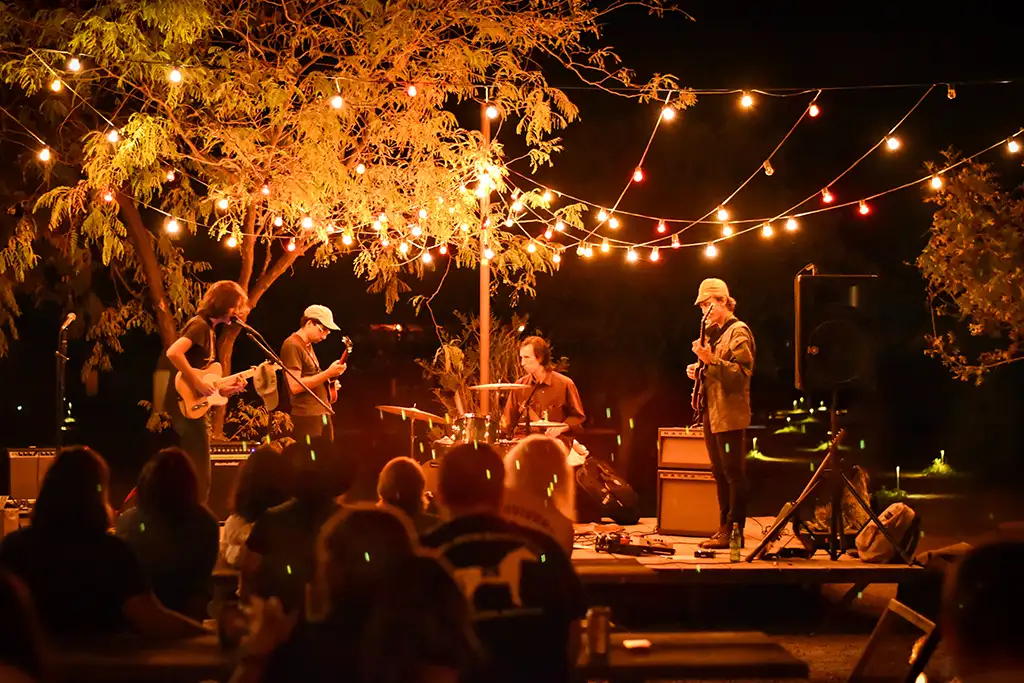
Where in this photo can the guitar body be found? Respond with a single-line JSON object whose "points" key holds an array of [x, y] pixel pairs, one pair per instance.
{"points": [[192, 404], [333, 385], [697, 400]]}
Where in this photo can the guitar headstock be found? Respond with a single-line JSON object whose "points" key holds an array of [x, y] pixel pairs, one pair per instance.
{"points": [[348, 344]]}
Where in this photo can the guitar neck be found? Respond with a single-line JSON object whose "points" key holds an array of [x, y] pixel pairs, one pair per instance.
{"points": [[245, 374]]}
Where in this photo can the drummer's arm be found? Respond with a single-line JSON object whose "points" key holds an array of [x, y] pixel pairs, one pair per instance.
{"points": [[510, 415]]}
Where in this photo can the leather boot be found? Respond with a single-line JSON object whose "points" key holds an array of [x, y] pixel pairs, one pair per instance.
{"points": [[723, 532]]}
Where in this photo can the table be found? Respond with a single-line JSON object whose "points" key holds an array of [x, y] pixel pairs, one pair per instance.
{"points": [[698, 655], [131, 658]]}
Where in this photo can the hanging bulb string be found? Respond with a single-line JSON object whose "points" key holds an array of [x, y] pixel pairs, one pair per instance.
{"points": [[24, 127]]}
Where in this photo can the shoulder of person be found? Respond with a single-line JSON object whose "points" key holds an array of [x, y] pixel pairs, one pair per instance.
{"points": [[563, 377], [197, 322]]}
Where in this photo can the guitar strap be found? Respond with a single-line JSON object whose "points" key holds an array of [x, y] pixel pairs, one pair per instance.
{"points": [[729, 323]]}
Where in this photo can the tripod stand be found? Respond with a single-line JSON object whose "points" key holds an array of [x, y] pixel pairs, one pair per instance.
{"points": [[829, 473]]}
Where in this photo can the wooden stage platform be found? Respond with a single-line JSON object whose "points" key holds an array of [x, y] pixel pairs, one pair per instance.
{"points": [[683, 568]]}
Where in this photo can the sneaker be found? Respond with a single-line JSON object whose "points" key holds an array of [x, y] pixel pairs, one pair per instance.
{"points": [[716, 541]]}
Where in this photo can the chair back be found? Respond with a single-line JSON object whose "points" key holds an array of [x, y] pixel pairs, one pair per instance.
{"points": [[899, 647]]}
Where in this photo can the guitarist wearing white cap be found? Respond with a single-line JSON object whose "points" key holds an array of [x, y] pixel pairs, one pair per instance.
{"points": [[309, 417], [724, 368]]}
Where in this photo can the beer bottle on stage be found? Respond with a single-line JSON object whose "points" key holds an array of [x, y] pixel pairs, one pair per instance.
{"points": [[735, 541]]}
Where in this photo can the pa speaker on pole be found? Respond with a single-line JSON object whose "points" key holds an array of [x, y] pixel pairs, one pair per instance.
{"points": [[835, 337]]}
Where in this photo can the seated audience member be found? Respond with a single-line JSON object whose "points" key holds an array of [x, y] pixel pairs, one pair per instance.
{"points": [[279, 555], [539, 488], [84, 581], [401, 485], [983, 599], [264, 481], [175, 537], [526, 596], [24, 655], [363, 553]]}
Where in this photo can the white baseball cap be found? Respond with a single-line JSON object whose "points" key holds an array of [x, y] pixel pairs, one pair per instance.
{"points": [[322, 315]]}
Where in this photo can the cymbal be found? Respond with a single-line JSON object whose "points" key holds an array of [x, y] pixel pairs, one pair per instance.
{"points": [[411, 413], [498, 386], [546, 423]]}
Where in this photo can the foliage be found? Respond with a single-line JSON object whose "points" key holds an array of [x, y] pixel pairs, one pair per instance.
{"points": [[885, 496], [973, 266], [939, 468], [254, 422], [456, 364], [157, 421]]}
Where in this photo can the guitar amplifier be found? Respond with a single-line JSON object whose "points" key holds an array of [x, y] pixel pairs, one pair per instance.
{"points": [[687, 503], [226, 457], [27, 467], [682, 448]]}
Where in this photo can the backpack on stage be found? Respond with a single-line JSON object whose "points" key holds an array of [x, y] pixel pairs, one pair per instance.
{"points": [[611, 495], [903, 525]]}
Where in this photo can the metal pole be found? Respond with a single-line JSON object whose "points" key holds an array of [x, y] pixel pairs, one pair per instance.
{"points": [[485, 279]]}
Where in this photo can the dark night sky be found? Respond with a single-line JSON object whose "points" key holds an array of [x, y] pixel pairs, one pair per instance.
{"points": [[617, 322]]}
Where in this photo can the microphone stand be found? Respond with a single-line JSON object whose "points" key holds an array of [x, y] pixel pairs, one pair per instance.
{"points": [[269, 352], [526, 406], [62, 360]]}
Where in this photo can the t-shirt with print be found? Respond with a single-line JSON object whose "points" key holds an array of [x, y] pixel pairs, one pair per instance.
{"points": [[540, 515], [299, 357], [524, 592]]}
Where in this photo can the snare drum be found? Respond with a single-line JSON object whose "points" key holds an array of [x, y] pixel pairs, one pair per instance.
{"points": [[470, 428]]}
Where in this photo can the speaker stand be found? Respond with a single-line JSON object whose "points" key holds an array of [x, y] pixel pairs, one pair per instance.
{"points": [[829, 473]]}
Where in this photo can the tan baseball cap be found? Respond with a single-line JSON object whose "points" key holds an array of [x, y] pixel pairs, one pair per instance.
{"points": [[712, 287], [322, 315]]}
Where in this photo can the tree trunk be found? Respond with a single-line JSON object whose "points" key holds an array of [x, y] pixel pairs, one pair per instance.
{"points": [[142, 241]]}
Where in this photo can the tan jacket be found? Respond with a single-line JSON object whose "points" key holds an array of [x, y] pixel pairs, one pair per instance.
{"points": [[727, 379]]}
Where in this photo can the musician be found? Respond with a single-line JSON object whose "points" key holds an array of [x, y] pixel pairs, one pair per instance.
{"points": [[551, 395], [726, 387], [310, 418], [196, 348]]}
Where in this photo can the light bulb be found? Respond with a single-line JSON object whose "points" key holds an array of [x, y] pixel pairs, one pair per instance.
{"points": [[331, 230], [638, 175], [307, 222], [813, 110], [509, 222], [222, 203], [602, 215], [863, 208], [548, 234], [404, 247], [517, 206], [232, 242], [746, 101], [668, 113], [426, 257], [172, 226], [360, 168], [531, 247], [662, 227], [726, 230], [170, 176], [827, 196], [488, 253], [423, 213], [346, 239], [56, 85], [675, 242], [791, 224], [654, 254], [1013, 146], [557, 258], [443, 249], [291, 245], [711, 251], [723, 213], [174, 76], [588, 251], [768, 170], [74, 64], [44, 154], [605, 247], [547, 197], [892, 143], [416, 231], [113, 136], [464, 227], [412, 91], [951, 92], [108, 197], [377, 226], [278, 221], [383, 218], [337, 102], [384, 241], [631, 255], [766, 230], [265, 190], [613, 223], [580, 249], [936, 182], [559, 226], [491, 111]]}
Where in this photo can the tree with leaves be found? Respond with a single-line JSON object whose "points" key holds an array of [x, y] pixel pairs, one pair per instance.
{"points": [[973, 266], [296, 130]]}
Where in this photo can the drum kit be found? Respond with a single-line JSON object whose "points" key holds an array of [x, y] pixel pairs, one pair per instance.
{"points": [[467, 428]]}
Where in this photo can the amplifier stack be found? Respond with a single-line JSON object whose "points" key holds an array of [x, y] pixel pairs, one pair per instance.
{"points": [[687, 496]]}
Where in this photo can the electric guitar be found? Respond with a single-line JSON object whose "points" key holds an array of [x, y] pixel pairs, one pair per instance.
{"points": [[335, 384], [697, 400], [194, 405]]}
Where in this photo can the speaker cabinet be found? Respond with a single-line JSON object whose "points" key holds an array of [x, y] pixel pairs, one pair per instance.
{"points": [[834, 338], [687, 503], [226, 459], [682, 448], [27, 468]]}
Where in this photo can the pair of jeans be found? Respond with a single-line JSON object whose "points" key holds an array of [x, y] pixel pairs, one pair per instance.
{"points": [[312, 426], [727, 451], [194, 439]]}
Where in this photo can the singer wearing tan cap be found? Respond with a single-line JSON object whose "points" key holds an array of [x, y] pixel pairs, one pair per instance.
{"points": [[726, 360], [309, 417]]}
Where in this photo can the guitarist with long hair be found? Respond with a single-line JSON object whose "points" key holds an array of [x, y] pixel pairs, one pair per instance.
{"points": [[196, 348], [722, 407]]}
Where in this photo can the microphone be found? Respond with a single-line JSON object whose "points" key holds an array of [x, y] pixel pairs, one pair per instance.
{"points": [[235, 320], [68, 320]]}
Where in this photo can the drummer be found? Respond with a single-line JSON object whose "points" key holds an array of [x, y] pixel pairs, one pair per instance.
{"points": [[551, 397]]}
